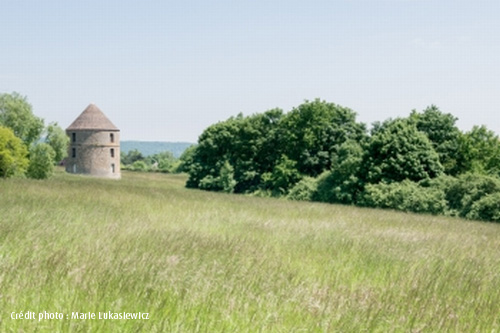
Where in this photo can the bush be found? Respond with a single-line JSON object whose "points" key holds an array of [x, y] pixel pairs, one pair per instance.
{"points": [[210, 183], [41, 161], [334, 187], [406, 196], [130, 157], [487, 208], [58, 140], [186, 159], [223, 182], [304, 190], [139, 166], [399, 151], [226, 178], [342, 184], [13, 160], [284, 176], [467, 190]]}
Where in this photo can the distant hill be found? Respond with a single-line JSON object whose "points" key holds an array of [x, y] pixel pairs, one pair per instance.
{"points": [[153, 147]]}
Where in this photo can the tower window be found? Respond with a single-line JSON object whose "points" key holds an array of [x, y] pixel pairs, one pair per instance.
{"points": [[111, 137], [112, 151], [73, 135], [113, 168], [73, 152]]}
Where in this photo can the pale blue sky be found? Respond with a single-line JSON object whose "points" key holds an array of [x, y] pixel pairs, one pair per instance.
{"points": [[165, 70]]}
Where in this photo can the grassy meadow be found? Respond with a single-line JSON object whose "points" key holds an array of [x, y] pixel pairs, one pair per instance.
{"points": [[211, 262]]}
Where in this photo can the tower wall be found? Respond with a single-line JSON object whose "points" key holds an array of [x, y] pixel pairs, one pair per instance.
{"points": [[94, 152]]}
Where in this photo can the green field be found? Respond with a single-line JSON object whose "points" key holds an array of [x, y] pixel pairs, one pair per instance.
{"points": [[209, 262]]}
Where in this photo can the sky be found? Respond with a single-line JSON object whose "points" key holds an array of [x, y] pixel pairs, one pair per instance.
{"points": [[166, 70]]}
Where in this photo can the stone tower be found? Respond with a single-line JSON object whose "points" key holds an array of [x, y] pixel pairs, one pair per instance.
{"points": [[94, 147]]}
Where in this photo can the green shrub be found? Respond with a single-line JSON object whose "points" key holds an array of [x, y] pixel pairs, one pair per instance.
{"points": [[334, 187], [467, 190], [399, 151], [487, 208], [16, 113], [139, 166], [165, 166], [41, 161], [406, 196], [342, 184], [443, 182], [185, 160], [223, 182], [58, 140], [303, 190], [226, 178], [210, 183], [284, 176], [13, 160]]}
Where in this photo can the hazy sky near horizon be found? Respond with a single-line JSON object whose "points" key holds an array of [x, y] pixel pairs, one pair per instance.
{"points": [[165, 70]]}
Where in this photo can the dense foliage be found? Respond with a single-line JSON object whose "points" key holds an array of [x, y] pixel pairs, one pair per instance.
{"points": [[56, 137], [313, 132], [480, 151], [22, 152], [443, 134], [161, 162], [319, 152], [406, 196], [16, 113], [41, 161], [13, 154], [399, 151], [271, 152]]}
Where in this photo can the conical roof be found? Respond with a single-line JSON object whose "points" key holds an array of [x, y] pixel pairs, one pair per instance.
{"points": [[92, 118]]}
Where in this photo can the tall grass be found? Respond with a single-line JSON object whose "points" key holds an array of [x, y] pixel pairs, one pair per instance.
{"points": [[201, 261]]}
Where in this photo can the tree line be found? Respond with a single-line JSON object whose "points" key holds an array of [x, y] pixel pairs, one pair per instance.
{"points": [[319, 152], [27, 146], [164, 162]]}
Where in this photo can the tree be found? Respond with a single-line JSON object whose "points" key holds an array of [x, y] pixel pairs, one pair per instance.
{"points": [[283, 177], [223, 182], [407, 196], [269, 148], [257, 149], [16, 114], [186, 159], [131, 157], [399, 151], [467, 189], [246, 143], [342, 183], [41, 164], [58, 140], [480, 152], [304, 190], [313, 131], [487, 208], [444, 135], [215, 146], [13, 154], [139, 165], [163, 162]]}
